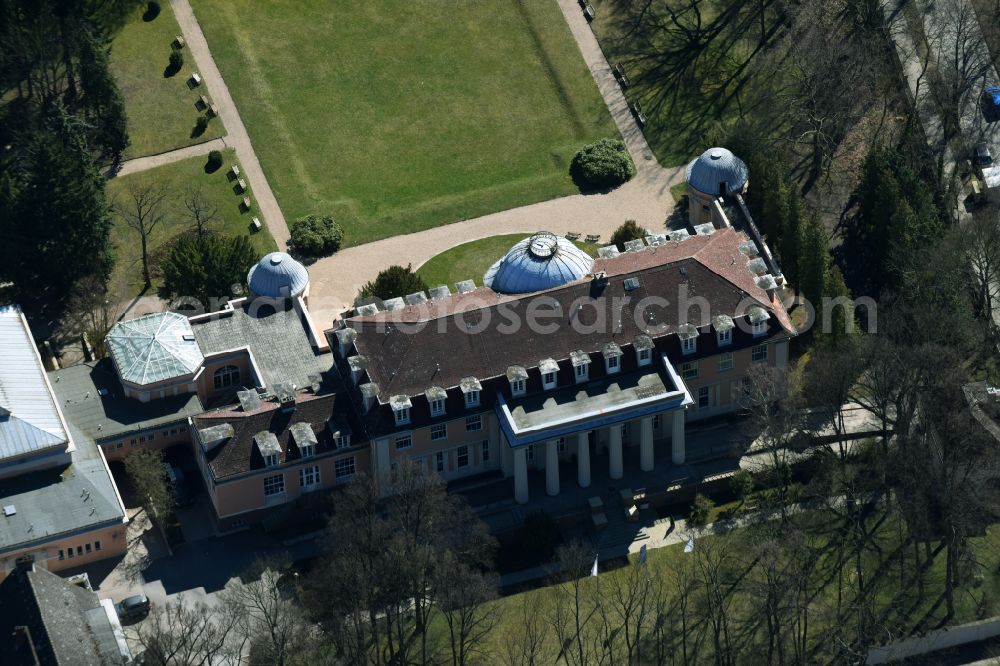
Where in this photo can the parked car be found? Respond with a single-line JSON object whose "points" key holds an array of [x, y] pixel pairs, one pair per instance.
{"points": [[991, 103], [134, 608], [982, 156], [178, 483]]}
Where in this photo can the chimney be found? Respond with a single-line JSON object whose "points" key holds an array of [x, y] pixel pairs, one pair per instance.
{"points": [[345, 340]]}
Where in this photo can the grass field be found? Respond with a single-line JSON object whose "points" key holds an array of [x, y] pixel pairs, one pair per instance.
{"points": [[179, 179], [400, 115], [469, 261], [161, 111]]}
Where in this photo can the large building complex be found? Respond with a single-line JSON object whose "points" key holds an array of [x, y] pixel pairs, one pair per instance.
{"points": [[558, 358]]}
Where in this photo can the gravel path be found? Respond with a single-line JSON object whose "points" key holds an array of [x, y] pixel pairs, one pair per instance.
{"points": [[646, 199], [237, 136], [169, 157]]}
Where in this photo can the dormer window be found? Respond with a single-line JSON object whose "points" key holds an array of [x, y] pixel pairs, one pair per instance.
{"points": [[270, 450], [400, 408], [758, 321], [548, 369], [643, 349], [517, 376], [612, 357], [342, 441], [471, 388], [581, 365], [307, 451], [304, 438], [725, 337], [436, 397], [688, 335]]}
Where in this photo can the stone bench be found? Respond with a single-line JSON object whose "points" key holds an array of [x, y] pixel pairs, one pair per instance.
{"points": [[255, 224], [179, 42], [589, 13], [245, 205], [195, 80], [593, 238]]}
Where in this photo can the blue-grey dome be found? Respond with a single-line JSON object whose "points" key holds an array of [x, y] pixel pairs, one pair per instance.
{"points": [[541, 261], [714, 167], [277, 276]]}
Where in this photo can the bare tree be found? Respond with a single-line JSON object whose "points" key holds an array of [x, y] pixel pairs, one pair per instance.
{"points": [[180, 633], [96, 310], [466, 598], [525, 646], [200, 211], [573, 609], [271, 626], [141, 208], [982, 240]]}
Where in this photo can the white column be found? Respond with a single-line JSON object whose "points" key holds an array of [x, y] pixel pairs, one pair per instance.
{"points": [[520, 475], [677, 440], [646, 444], [615, 451], [552, 467], [583, 458]]}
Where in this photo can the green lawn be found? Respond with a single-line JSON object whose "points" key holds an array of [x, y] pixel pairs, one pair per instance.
{"points": [[161, 110], [469, 261], [179, 179], [399, 116]]}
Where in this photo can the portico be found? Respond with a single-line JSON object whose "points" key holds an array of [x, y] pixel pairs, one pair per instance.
{"points": [[579, 418]]}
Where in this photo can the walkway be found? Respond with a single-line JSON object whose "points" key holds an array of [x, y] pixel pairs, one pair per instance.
{"points": [[646, 199], [237, 136], [169, 157]]}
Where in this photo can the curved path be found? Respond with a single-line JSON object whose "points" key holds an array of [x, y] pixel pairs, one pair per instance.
{"points": [[645, 199], [236, 136]]}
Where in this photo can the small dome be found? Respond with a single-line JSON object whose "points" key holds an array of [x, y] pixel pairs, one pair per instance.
{"points": [[278, 276], [541, 261], [714, 167]]}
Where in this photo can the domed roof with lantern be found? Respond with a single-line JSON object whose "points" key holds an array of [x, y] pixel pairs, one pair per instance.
{"points": [[541, 261], [276, 276]]}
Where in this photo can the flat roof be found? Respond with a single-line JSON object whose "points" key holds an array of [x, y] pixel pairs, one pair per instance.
{"points": [[278, 340], [111, 414], [30, 421], [71, 498]]}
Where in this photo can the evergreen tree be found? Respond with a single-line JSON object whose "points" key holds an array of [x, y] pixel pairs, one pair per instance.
{"points": [[62, 224], [774, 216], [628, 231], [814, 262], [836, 331], [392, 282], [206, 268], [791, 239]]}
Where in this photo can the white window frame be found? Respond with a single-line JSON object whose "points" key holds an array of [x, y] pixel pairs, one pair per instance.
{"points": [[689, 370], [472, 398], [342, 442], [706, 392], [689, 345], [612, 364], [403, 438], [307, 451], [272, 460], [723, 338], [440, 462], [561, 445], [484, 451], [517, 387], [458, 456], [725, 362], [437, 407], [226, 376], [309, 478], [549, 383], [339, 469], [274, 486], [402, 415], [758, 353], [474, 423], [759, 328], [645, 356], [582, 372], [439, 432]]}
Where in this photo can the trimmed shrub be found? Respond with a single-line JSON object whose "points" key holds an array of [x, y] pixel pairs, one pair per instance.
{"points": [[152, 11], [200, 125], [176, 60], [602, 164], [701, 509], [316, 235], [214, 161], [630, 230]]}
